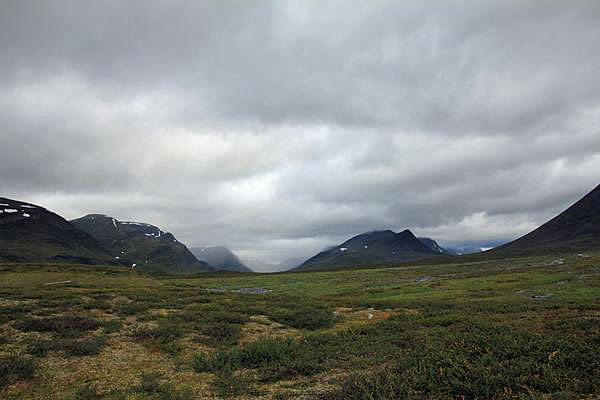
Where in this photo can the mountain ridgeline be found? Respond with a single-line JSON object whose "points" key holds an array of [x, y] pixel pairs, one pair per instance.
{"points": [[30, 233], [141, 245], [373, 249], [221, 258], [575, 229]]}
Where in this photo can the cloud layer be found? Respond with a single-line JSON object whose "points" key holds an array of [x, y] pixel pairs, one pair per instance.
{"points": [[279, 127]]}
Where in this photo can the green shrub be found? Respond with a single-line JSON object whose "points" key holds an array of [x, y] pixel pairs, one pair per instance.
{"points": [[274, 358], [149, 382], [221, 332], [151, 388], [64, 326], [164, 336], [202, 363], [15, 368], [229, 383], [71, 347], [306, 318], [163, 333], [216, 362], [112, 326], [88, 392], [230, 317], [11, 313], [85, 347], [96, 305], [481, 362], [131, 309]]}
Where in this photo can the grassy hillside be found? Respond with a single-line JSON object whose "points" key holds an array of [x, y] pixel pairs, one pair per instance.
{"points": [[510, 329]]}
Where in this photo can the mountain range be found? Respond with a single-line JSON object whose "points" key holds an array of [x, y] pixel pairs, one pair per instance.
{"points": [[140, 245], [31, 233]]}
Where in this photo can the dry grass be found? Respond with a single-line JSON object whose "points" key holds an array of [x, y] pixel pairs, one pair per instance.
{"points": [[261, 326]]}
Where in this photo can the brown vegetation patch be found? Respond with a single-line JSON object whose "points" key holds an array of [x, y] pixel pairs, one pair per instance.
{"points": [[117, 300], [163, 312], [364, 315], [261, 326]]}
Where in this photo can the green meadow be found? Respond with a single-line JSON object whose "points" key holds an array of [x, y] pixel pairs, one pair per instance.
{"points": [[523, 328]]}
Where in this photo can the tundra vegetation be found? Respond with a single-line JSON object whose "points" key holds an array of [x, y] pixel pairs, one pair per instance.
{"points": [[522, 328]]}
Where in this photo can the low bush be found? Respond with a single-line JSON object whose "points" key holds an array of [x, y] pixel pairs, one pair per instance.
{"points": [[71, 347], [88, 392], [64, 326], [11, 313], [131, 309], [306, 317], [96, 305], [150, 387], [14, 368], [483, 362], [230, 317], [112, 326], [164, 336], [275, 359], [221, 332], [163, 333], [229, 383]]}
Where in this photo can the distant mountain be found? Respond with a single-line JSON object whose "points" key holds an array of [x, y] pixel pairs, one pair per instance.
{"points": [[576, 229], [371, 249], [463, 250], [221, 258], [141, 245], [291, 263], [30, 233], [261, 266], [434, 246]]}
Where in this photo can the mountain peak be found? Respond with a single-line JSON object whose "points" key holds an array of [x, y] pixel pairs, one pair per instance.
{"points": [[383, 247]]}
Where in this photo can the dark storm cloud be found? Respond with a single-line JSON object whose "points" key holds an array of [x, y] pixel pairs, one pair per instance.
{"points": [[277, 128]]}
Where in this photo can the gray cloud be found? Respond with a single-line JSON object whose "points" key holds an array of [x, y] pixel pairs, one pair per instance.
{"points": [[279, 127]]}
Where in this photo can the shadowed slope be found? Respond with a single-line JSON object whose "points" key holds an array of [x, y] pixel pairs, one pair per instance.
{"points": [[221, 258], [370, 249], [30, 233], [576, 229], [144, 245]]}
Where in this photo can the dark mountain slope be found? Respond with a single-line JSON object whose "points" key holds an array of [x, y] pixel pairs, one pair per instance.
{"points": [[576, 229], [221, 258], [434, 246], [371, 249], [30, 233], [143, 245]]}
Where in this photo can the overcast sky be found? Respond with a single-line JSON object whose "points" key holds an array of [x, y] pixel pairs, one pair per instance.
{"points": [[277, 128]]}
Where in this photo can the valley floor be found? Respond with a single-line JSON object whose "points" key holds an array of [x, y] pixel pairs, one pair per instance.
{"points": [[525, 328]]}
